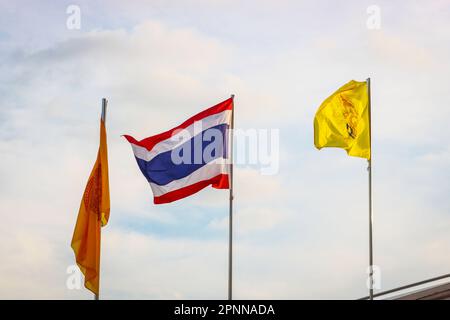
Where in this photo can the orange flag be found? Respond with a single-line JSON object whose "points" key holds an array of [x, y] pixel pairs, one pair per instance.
{"points": [[93, 214]]}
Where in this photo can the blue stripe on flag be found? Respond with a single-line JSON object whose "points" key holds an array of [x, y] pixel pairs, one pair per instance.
{"points": [[161, 170]]}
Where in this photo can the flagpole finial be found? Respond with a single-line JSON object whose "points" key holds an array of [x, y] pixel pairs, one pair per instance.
{"points": [[104, 104], [232, 96]]}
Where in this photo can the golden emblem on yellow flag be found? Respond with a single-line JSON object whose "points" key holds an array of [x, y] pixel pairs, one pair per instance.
{"points": [[342, 120], [93, 214]]}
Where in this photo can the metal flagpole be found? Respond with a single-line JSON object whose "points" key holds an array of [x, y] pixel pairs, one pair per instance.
{"points": [[369, 168], [230, 244], [104, 105]]}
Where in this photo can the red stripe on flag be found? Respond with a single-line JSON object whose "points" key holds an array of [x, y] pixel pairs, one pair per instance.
{"points": [[219, 182], [150, 142]]}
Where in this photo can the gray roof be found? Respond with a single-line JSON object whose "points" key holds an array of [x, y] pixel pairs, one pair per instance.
{"points": [[439, 292]]}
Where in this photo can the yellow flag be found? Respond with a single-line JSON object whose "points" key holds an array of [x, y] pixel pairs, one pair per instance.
{"points": [[342, 121], [93, 214]]}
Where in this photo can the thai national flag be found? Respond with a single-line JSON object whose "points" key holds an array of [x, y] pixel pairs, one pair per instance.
{"points": [[182, 161]]}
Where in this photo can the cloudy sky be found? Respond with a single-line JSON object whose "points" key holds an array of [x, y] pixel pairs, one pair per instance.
{"points": [[301, 233]]}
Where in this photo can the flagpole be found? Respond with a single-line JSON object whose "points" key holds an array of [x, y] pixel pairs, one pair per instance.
{"points": [[230, 244], [104, 105], [103, 117], [369, 168]]}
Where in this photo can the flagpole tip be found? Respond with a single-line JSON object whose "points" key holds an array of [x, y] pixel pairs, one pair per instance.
{"points": [[104, 104]]}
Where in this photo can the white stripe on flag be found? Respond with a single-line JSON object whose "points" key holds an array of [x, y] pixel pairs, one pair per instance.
{"points": [[206, 172], [174, 141]]}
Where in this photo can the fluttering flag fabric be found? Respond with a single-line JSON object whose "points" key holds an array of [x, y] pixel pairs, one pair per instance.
{"points": [[184, 160], [93, 214], [342, 121]]}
